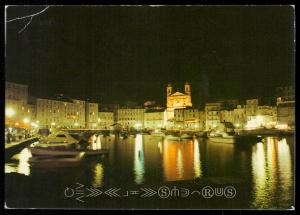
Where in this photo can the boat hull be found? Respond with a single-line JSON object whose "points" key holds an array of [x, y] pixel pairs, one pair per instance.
{"points": [[36, 151], [223, 139], [54, 162]]}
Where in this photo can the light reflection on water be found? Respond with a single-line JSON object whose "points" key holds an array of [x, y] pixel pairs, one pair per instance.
{"points": [[268, 165], [272, 173], [22, 166], [139, 168], [98, 175], [197, 160]]}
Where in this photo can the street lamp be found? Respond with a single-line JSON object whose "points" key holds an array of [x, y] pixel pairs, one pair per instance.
{"points": [[26, 120], [9, 112]]}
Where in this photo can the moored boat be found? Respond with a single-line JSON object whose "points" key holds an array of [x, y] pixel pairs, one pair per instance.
{"points": [[56, 161], [39, 151], [223, 139], [58, 139]]}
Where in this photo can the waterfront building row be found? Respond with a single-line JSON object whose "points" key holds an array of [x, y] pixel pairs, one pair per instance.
{"points": [[61, 112]]}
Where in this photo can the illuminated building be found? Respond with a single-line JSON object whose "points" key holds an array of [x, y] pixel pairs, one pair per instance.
{"points": [[17, 107], [131, 117], [105, 120], [259, 115], [178, 100], [286, 106], [213, 115], [16, 92], [60, 113], [251, 108], [154, 119], [91, 115], [239, 117], [189, 119]]}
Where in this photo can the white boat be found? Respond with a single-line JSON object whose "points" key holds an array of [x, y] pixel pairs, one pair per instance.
{"points": [[58, 161], [223, 139], [40, 151], [58, 139]]}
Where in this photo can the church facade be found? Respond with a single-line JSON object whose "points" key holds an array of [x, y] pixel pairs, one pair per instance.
{"points": [[178, 100]]}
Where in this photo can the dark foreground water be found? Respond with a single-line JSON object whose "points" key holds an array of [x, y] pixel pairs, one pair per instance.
{"points": [[152, 172]]}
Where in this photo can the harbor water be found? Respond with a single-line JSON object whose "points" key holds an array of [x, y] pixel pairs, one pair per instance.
{"points": [[262, 174]]}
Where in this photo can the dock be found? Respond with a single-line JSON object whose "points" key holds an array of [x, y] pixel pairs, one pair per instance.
{"points": [[15, 147]]}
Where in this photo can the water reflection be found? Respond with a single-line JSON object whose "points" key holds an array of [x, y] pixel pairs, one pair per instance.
{"points": [[267, 166], [285, 167], [98, 175], [95, 142], [272, 173], [139, 168], [159, 145], [179, 161], [197, 160], [23, 166]]}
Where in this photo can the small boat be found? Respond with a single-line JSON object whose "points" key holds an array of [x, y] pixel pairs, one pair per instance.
{"points": [[56, 161], [223, 139], [39, 151]]}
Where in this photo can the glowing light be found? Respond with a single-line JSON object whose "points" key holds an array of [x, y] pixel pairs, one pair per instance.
{"points": [[139, 167], [282, 126], [259, 170], [237, 125], [159, 145], [179, 164], [24, 167], [9, 112], [34, 125], [53, 123], [26, 120], [197, 162], [138, 125], [76, 124], [98, 175]]}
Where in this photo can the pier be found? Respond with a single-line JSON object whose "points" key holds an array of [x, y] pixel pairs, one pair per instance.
{"points": [[15, 147]]}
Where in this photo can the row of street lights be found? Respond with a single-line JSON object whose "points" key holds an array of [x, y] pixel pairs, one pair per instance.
{"points": [[10, 112]]}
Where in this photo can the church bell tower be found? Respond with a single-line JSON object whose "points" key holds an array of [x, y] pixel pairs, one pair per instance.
{"points": [[169, 89], [187, 88]]}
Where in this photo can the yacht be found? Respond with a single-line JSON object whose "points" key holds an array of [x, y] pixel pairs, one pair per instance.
{"points": [[58, 139]]}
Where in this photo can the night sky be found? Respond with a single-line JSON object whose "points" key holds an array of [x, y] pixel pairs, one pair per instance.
{"points": [[115, 54]]}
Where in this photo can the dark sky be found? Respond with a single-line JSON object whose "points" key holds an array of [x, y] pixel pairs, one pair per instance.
{"points": [[113, 54]]}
